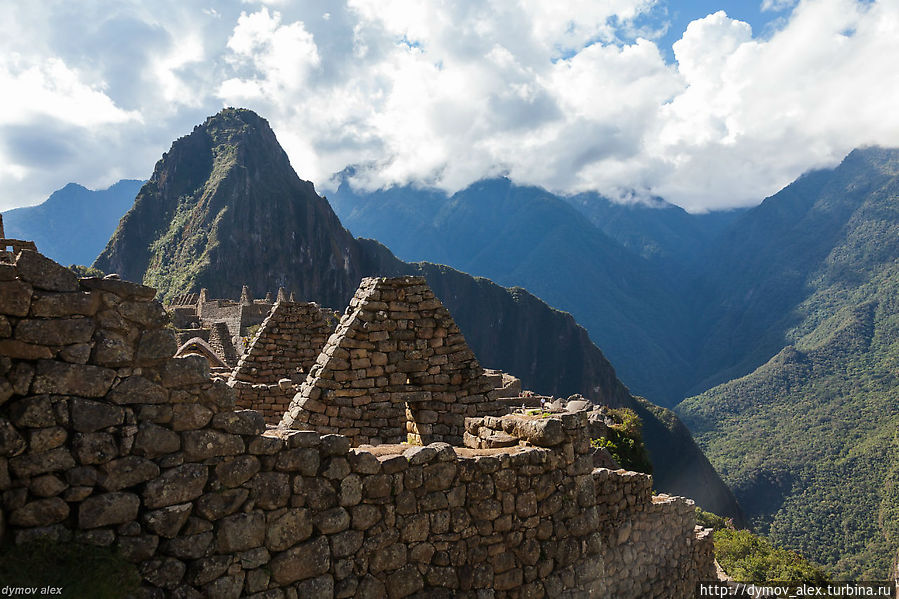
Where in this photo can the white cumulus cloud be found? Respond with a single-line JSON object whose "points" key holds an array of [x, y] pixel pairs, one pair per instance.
{"points": [[567, 95]]}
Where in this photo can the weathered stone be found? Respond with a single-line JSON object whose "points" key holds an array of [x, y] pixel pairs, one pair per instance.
{"points": [[378, 485], [217, 505], [148, 314], [336, 445], [240, 532], [42, 512], [420, 455], [44, 273], [203, 444], [15, 298], [439, 476], [11, 442], [346, 543], [56, 305], [139, 548], [371, 588], [127, 472], [119, 288], [168, 521], [287, 530], [32, 412], [71, 379], [350, 490], [226, 587], [190, 416], [94, 448], [165, 573], [320, 586], [154, 441], [332, 521], [304, 461], [155, 346], [20, 350], [270, 490], [189, 370], [304, 561], [363, 462], [416, 528], [188, 546], [365, 516], [89, 416], [237, 471], [138, 390], [241, 422], [177, 485], [207, 569], [106, 509], [78, 353], [404, 582], [112, 349], [47, 485], [389, 558], [20, 377], [55, 331]]}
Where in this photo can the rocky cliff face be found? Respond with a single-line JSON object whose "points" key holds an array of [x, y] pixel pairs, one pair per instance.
{"points": [[224, 208]]}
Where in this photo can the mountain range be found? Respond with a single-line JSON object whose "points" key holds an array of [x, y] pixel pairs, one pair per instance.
{"points": [[225, 208], [778, 323], [74, 224]]}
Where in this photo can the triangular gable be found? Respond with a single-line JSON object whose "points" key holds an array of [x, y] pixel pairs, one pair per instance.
{"points": [[286, 344], [396, 369]]}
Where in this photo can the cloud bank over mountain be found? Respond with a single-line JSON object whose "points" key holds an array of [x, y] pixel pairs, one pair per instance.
{"points": [[570, 96]]}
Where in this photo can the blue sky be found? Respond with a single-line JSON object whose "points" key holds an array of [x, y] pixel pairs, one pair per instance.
{"points": [[709, 104]]}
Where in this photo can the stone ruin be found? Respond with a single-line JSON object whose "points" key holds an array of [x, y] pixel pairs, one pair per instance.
{"points": [[397, 369], [108, 439]]}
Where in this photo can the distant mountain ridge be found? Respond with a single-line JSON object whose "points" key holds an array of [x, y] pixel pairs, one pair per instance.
{"points": [[225, 208], [73, 225], [804, 297]]}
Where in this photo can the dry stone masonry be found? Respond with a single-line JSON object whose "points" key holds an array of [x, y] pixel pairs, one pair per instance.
{"points": [[279, 356], [396, 369], [106, 438]]}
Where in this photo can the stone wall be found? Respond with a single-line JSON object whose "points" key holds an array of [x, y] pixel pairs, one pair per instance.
{"points": [[107, 439], [285, 346], [396, 369]]}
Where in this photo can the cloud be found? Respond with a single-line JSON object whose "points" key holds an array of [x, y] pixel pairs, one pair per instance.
{"points": [[564, 95], [777, 5]]}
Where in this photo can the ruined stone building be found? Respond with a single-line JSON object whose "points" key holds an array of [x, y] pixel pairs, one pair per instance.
{"points": [[107, 438]]}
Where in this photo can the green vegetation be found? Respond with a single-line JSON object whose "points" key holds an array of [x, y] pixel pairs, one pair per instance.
{"points": [[808, 440], [748, 557], [625, 440], [86, 271], [83, 571]]}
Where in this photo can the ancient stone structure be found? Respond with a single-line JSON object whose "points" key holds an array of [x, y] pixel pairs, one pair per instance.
{"points": [[396, 369], [278, 358], [108, 439]]}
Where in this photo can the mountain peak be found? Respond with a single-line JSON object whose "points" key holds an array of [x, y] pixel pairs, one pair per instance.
{"points": [[226, 187]]}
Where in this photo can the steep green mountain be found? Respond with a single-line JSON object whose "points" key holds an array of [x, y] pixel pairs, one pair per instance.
{"points": [[808, 439], [528, 237], [224, 208], [73, 225]]}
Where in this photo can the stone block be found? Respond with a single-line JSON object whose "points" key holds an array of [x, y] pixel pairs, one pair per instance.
{"points": [[108, 508], [176, 485], [89, 416], [127, 472], [15, 298], [240, 532], [42, 512], [44, 273], [71, 379], [287, 530], [302, 562]]}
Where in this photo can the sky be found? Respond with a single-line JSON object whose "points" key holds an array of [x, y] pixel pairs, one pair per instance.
{"points": [[709, 104]]}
